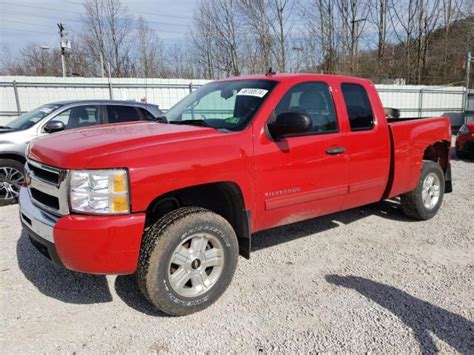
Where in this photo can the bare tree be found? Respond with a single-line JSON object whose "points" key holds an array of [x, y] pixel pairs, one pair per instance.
{"points": [[216, 37], [259, 42], [353, 14], [202, 37], [378, 12], [107, 30], [319, 18], [179, 62], [149, 61], [281, 26], [403, 17], [428, 22]]}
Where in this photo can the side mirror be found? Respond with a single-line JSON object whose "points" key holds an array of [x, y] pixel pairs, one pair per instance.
{"points": [[54, 126], [392, 112], [290, 123]]}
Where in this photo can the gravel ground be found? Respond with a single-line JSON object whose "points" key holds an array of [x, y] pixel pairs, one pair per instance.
{"points": [[364, 280]]}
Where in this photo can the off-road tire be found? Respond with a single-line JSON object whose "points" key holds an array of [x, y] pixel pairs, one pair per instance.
{"points": [[10, 163], [158, 246], [412, 202]]}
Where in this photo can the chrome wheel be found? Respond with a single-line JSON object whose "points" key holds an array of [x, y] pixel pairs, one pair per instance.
{"points": [[196, 265], [11, 180], [431, 190]]}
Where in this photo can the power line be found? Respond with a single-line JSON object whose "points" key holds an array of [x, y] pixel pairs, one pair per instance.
{"points": [[36, 7], [27, 23], [75, 12], [29, 31], [148, 13], [79, 21], [55, 18]]}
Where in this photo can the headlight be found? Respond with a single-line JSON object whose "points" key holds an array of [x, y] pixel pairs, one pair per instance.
{"points": [[99, 191], [463, 129]]}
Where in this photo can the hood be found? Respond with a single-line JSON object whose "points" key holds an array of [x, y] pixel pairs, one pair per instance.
{"points": [[74, 149]]}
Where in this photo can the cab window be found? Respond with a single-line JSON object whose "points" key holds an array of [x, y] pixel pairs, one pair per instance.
{"points": [[313, 100], [359, 109]]}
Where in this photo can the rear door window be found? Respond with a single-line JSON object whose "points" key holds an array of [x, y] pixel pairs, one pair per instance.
{"points": [[118, 114], [359, 109]]}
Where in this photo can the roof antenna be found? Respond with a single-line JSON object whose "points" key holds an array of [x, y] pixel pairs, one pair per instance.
{"points": [[270, 72]]}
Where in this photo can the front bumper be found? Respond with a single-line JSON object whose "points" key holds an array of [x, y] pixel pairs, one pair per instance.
{"points": [[91, 244]]}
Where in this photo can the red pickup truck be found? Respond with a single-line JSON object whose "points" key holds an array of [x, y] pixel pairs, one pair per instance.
{"points": [[174, 202]]}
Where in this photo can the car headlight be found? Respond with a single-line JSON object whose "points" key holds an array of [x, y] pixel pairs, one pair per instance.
{"points": [[99, 191], [463, 129]]}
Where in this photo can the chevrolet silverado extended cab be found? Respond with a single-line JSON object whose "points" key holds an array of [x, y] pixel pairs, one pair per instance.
{"points": [[175, 202]]}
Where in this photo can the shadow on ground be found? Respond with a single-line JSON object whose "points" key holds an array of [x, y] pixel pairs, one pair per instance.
{"points": [[74, 287], [422, 317], [387, 209], [127, 289], [56, 282]]}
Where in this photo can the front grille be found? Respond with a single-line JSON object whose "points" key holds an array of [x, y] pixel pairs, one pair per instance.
{"points": [[45, 199], [43, 174], [47, 186]]}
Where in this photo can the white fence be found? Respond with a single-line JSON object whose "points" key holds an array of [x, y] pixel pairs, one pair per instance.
{"points": [[22, 93]]}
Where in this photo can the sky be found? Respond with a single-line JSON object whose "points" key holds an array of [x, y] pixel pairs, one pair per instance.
{"points": [[24, 21]]}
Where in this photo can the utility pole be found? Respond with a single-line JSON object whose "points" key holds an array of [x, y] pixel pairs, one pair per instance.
{"points": [[467, 79], [355, 34], [65, 45]]}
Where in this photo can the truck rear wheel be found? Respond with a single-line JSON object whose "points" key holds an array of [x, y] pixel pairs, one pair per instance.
{"points": [[187, 260], [425, 200]]}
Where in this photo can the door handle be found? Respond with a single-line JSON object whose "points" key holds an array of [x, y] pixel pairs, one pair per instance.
{"points": [[335, 150]]}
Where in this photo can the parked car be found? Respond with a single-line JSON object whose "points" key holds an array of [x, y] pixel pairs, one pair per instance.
{"points": [[465, 141], [174, 203], [55, 117]]}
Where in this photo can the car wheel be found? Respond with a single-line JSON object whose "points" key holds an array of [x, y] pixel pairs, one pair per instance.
{"points": [[11, 179], [187, 260], [425, 200]]}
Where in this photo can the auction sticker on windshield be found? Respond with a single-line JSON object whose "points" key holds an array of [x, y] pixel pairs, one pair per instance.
{"points": [[252, 92]]}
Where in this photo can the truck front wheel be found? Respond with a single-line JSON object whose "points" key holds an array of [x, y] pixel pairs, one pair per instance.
{"points": [[187, 260], [424, 202]]}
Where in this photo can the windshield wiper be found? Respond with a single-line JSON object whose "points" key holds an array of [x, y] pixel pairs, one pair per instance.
{"points": [[5, 127], [199, 122]]}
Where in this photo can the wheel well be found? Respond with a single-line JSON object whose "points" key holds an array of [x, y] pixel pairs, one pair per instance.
{"points": [[223, 198], [13, 156], [439, 153]]}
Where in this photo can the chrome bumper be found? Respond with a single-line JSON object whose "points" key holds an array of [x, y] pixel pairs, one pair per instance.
{"points": [[38, 221]]}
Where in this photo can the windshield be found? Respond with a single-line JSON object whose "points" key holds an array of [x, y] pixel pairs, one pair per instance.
{"points": [[32, 117], [226, 105]]}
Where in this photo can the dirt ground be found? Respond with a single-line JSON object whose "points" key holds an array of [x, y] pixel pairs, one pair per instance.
{"points": [[364, 280]]}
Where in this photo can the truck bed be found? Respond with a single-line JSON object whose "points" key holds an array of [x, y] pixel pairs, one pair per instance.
{"points": [[409, 139]]}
